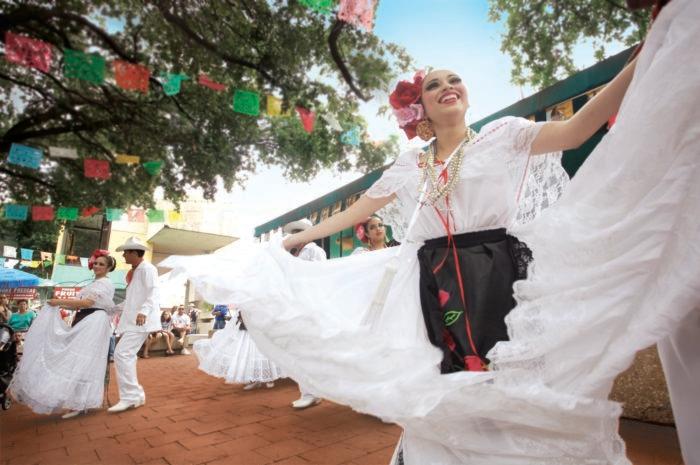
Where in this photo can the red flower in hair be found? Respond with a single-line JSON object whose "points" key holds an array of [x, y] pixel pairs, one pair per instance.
{"points": [[405, 100], [360, 232], [95, 255], [405, 94]]}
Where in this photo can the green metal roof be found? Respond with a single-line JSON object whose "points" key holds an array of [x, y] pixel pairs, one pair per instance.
{"points": [[78, 276], [571, 87], [574, 85]]}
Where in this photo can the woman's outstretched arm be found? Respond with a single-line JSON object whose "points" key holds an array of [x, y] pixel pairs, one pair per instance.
{"points": [[564, 135], [358, 211]]}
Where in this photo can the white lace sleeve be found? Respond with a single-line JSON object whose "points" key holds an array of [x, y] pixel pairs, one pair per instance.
{"points": [[540, 179], [101, 292], [396, 176], [393, 180]]}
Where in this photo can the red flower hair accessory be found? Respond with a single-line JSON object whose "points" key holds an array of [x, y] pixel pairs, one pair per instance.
{"points": [[405, 101], [361, 233], [95, 255]]}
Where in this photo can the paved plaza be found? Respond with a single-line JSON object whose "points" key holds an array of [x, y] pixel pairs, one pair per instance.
{"points": [[192, 418]]}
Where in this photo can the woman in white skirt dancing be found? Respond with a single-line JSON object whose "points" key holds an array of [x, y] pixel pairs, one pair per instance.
{"points": [[232, 355], [64, 367]]}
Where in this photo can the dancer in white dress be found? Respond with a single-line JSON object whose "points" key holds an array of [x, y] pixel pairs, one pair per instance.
{"points": [[232, 355], [616, 269], [64, 367], [372, 232]]}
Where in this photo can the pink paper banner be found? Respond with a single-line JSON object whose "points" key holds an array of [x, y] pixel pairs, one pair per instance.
{"points": [[25, 51]]}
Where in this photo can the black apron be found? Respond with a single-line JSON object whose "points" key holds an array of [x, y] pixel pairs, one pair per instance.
{"points": [[489, 263]]}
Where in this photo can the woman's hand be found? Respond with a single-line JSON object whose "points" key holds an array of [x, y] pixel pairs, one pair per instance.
{"points": [[54, 302], [290, 242]]}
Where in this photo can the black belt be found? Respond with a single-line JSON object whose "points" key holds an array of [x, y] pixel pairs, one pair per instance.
{"points": [[468, 239], [83, 313]]}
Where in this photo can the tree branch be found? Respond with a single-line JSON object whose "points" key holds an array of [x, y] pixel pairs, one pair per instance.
{"points": [[336, 29], [181, 24], [28, 177], [95, 144]]}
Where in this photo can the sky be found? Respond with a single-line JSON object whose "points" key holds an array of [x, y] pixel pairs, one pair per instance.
{"points": [[452, 34]]}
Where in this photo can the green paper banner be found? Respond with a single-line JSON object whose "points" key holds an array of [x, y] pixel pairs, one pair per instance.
{"points": [[153, 167], [113, 214], [173, 83], [320, 6], [67, 213], [156, 216], [247, 103], [60, 259], [83, 66]]}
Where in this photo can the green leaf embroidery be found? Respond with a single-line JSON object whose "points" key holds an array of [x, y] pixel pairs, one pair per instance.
{"points": [[452, 316]]}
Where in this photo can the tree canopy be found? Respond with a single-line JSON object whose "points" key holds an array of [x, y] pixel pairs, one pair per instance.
{"points": [[540, 35], [276, 47]]}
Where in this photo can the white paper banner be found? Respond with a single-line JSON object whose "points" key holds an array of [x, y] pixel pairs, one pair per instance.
{"points": [[59, 152], [9, 251]]}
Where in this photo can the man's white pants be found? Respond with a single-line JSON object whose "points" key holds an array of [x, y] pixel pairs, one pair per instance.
{"points": [[125, 360], [680, 356]]}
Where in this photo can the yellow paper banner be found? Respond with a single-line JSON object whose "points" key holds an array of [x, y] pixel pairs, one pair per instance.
{"points": [[174, 216], [274, 106], [127, 159]]}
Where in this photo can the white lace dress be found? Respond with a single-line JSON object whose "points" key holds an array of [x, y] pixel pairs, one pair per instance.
{"points": [[616, 268], [232, 355], [63, 367]]}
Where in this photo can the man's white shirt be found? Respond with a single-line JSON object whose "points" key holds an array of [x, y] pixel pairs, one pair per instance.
{"points": [[142, 297]]}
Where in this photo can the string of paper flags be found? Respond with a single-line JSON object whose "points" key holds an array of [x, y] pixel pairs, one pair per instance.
{"points": [[34, 53], [19, 212], [26, 258], [31, 157], [91, 67]]}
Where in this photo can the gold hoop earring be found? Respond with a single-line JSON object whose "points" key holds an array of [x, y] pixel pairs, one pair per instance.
{"points": [[425, 130]]}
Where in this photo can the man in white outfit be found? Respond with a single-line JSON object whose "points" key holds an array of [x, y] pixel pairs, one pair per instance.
{"points": [[140, 316], [310, 252]]}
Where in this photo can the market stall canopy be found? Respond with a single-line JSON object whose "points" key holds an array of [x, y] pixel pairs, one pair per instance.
{"points": [[11, 278]]}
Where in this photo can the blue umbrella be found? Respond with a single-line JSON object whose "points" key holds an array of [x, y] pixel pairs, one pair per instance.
{"points": [[11, 278]]}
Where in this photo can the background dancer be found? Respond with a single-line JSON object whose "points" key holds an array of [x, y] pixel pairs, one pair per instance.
{"points": [[64, 367], [140, 316]]}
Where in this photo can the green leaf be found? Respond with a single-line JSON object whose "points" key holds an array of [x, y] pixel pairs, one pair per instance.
{"points": [[451, 316]]}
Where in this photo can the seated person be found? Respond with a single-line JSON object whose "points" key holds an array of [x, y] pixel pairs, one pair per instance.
{"points": [[21, 320], [181, 326], [166, 323]]}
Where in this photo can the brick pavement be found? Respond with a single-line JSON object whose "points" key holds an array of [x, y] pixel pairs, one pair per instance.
{"points": [[191, 418]]}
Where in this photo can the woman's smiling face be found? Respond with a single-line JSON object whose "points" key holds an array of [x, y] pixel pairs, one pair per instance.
{"points": [[444, 96]]}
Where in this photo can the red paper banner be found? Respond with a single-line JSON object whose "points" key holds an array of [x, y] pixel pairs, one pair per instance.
{"points": [[89, 211], [98, 169], [130, 76], [308, 118], [205, 81], [29, 52], [42, 213]]}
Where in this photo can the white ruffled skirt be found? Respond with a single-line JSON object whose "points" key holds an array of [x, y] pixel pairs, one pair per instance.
{"points": [[617, 266], [232, 355], [63, 367]]}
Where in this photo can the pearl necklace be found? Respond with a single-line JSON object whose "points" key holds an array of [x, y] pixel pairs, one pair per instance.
{"points": [[436, 189]]}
